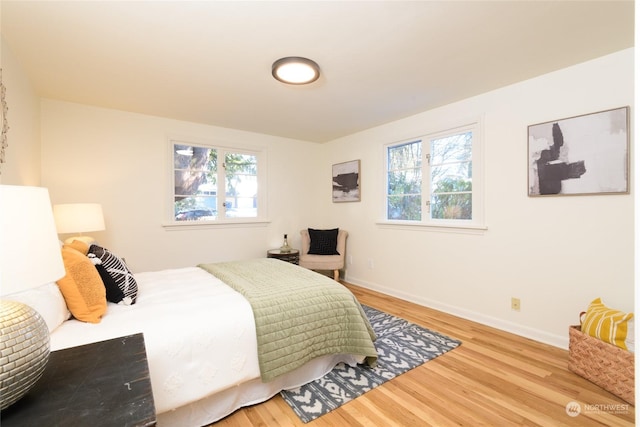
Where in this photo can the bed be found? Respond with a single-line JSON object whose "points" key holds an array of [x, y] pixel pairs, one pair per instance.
{"points": [[226, 335]]}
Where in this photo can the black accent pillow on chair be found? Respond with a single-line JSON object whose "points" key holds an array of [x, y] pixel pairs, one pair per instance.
{"points": [[323, 242]]}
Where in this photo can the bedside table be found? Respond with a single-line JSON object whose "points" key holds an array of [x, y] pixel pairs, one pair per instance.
{"points": [[293, 256], [94, 385]]}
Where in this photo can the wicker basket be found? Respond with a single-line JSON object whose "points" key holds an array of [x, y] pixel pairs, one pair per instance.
{"points": [[604, 364]]}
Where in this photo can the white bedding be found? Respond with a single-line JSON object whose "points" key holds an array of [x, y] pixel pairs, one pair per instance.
{"points": [[193, 325], [201, 346]]}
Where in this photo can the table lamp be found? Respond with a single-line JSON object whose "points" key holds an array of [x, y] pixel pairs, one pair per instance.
{"points": [[78, 218], [29, 257]]}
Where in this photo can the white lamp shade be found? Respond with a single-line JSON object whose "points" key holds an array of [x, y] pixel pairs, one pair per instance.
{"points": [[29, 246], [78, 217]]}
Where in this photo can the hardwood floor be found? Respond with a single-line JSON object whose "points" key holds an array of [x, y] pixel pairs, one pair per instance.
{"points": [[494, 378]]}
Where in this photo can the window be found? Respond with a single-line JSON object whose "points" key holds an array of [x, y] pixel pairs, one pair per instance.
{"points": [[215, 183], [404, 181], [435, 179]]}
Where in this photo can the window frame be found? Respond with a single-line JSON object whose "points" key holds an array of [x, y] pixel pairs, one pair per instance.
{"points": [[222, 149], [477, 222]]}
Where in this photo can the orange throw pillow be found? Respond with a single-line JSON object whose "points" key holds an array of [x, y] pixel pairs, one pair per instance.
{"points": [[82, 287], [79, 246]]}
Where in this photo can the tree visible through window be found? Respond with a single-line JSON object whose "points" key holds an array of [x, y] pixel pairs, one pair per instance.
{"points": [[206, 190], [451, 177], [438, 189], [241, 184], [404, 181]]}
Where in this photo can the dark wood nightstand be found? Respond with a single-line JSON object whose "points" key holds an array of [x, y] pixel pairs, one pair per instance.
{"points": [[293, 256], [94, 385]]}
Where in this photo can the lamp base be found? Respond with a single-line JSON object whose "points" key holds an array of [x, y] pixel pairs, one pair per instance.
{"points": [[86, 239], [24, 350]]}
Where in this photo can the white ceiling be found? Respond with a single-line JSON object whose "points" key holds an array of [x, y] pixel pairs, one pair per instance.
{"points": [[210, 61]]}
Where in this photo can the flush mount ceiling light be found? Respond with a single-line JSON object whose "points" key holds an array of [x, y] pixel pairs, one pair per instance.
{"points": [[295, 70]]}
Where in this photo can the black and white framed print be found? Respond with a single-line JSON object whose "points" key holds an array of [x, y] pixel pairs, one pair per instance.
{"points": [[346, 181], [587, 154]]}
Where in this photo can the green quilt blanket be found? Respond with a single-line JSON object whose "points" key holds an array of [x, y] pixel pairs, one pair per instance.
{"points": [[299, 314]]}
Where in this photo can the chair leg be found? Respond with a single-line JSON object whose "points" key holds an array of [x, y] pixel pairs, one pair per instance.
{"points": [[336, 275]]}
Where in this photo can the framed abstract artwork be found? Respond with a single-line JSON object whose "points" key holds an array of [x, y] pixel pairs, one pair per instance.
{"points": [[346, 181], [580, 155]]}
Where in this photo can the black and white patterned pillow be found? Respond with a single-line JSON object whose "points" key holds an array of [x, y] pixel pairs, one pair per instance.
{"points": [[119, 272], [323, 242], [114, 293]]}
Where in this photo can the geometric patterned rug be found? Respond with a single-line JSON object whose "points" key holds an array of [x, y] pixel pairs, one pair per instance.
{"points": [[401, 346]]}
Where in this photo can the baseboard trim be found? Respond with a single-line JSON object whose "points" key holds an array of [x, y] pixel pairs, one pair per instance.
{"points": [[514, 328]]}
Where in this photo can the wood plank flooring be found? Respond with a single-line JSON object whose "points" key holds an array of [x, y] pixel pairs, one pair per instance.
{"points": [[494, 379]]}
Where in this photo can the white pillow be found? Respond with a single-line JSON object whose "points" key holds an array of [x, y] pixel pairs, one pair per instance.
{"points": [[46, 300]]}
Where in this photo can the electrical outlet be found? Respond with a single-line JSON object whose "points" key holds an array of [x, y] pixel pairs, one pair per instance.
{"points": [[370, 263], [515, 304], [350, 260]]}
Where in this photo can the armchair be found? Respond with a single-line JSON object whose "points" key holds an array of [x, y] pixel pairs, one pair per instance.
{"points": [[333, 262]]}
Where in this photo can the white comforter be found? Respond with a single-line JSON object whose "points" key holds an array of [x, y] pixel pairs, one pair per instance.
{"points": [[193, 325]]}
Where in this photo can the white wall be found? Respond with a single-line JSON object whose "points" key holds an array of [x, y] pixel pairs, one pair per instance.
{"points": [[120, 160], [22, 156], [556, 254]]}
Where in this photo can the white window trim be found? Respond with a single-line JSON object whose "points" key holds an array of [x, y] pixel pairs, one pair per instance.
{"points": [[169, 223], [229, 223], [443, 227], [475, 226]]}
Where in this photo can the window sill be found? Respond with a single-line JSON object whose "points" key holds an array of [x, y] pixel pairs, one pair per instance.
{"points": [[438, 228], [229, 223]]}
